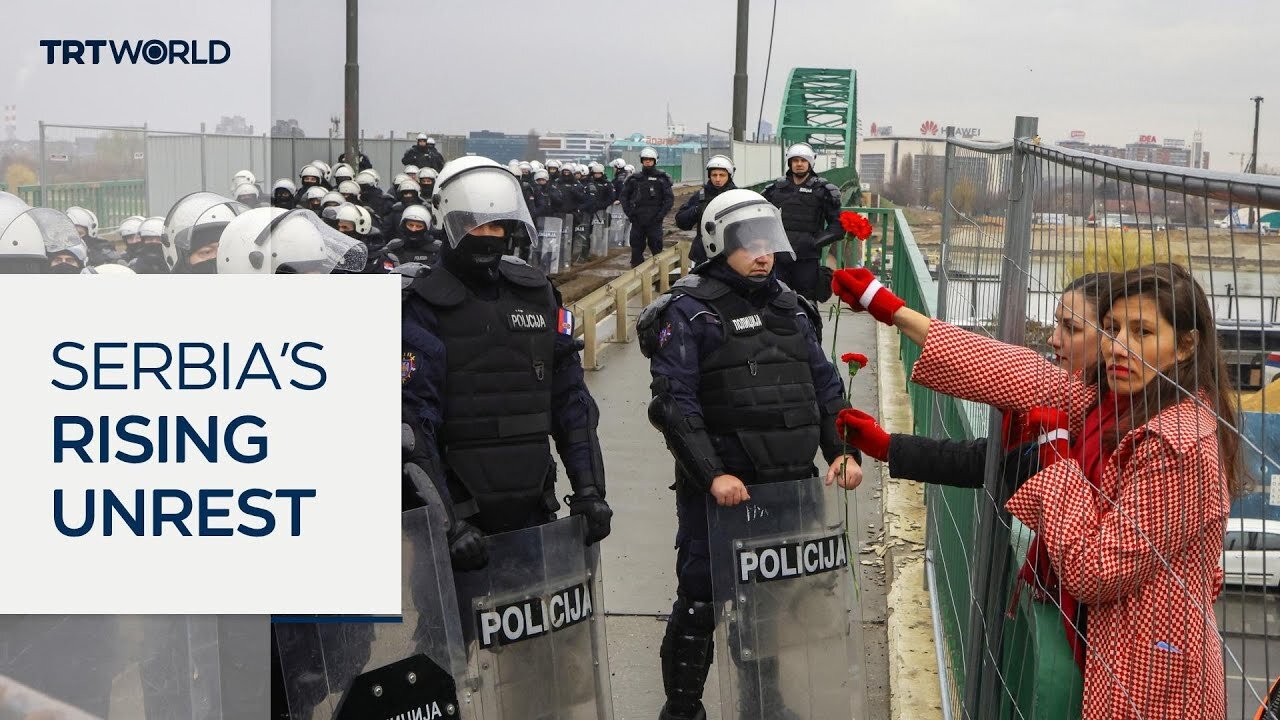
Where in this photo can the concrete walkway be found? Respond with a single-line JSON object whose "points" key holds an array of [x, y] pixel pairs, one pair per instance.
{"points": [[639, 558]]}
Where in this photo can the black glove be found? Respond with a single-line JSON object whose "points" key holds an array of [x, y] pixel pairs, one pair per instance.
{"points": [[466, 547], [594, 510], [822, 291]]}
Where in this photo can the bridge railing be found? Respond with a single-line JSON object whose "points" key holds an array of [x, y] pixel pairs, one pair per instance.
{"points": [[1019, 220]]}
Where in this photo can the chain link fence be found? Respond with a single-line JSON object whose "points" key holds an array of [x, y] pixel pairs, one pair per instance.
{"points": [[1020, 221]]}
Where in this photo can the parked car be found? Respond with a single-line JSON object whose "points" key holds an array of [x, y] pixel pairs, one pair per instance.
{"points": [[1251, 552]]}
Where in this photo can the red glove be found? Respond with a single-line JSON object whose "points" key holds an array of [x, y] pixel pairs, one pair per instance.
{"points": [[1047, 427], [860, 290], [863, 432]]}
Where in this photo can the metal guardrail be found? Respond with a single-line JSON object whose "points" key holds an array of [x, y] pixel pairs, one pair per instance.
{"points": [[613, 297]]}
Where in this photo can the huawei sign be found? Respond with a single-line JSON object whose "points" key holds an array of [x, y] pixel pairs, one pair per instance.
{"points": [[929, 127]]}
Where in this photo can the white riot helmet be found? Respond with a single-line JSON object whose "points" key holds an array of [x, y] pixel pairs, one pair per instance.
{"points": [[398, 178], [243, 177], [428, 173], [422, 136], [541, 174], [84, 218], [629, 169], [411, 170], [535, 165], [246, 193], [513, 166], [284, 184], [366, 178], [311, 171], [324, 168], [720, 162], [649, 154], [348, 187], [108, 269], [525, 167], [617, 163], [595, 167], [343, 172], [334, 197], [314, 193], [129, 226], [408, 186], [357, 216], [474, 191], [801, 150], [743, 220], [265, 241], [31, 236], [195, 221], [431, 141], [416, 212], [553, 165], [153, 227]]}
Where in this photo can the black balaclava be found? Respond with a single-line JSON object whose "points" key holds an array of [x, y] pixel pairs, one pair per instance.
{"points": [[427, 190], [475, 259], [648, 169], [149, 259], [412, 239], [64, 269], [409, 197], [284, 199]]}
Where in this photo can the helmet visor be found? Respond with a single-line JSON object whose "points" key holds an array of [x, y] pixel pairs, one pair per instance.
{"points": [[755, 237], [307, 245], [481, 196]]}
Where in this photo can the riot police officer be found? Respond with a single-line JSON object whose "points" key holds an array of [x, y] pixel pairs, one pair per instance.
{"points": [[99, 249], [414, 232], [284, 194], [646, 199], [744, 394], [427, 183], [417, 153], [149, 258], [490, 370], [619, 177], [719, 179], [811, 214]]}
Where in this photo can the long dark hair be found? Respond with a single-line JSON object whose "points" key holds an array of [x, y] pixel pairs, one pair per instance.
{"points": [[1203, 375]]}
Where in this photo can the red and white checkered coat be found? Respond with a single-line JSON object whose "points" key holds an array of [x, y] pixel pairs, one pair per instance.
{"points": [[1142, 555]]}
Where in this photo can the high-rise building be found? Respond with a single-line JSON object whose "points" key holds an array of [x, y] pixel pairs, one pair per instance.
{"points": [[499, 147]]}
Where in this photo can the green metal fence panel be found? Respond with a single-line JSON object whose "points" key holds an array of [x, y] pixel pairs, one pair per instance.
{"points": [[112, 201]]}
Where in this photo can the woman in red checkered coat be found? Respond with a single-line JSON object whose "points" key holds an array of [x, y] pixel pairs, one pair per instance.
{"points": [[1134, 514]]}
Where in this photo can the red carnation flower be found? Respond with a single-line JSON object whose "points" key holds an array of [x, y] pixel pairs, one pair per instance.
{"points": [[855, 361], [855, 224]]}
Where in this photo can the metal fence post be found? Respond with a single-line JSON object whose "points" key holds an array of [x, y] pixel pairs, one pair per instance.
{"points": [[948, 185], [204, 179], [293, 150], [983, 690], [44, 176], [146, 173]]}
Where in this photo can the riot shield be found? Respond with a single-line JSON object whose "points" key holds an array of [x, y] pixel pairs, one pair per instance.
{"points": [[788, 627], [534, 628], [547, 249], [566, 243], [599, 234], [619, 227], [358, 670], [134, 667]]}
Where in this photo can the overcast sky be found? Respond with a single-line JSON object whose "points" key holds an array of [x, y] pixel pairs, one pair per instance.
{"points": [[1115, 69]]}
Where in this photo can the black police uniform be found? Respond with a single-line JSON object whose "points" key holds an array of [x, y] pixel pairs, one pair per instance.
{"points": [[689, 214], [755, 398], [416, 155], [487, 375], [810, 214], [646, 198]]}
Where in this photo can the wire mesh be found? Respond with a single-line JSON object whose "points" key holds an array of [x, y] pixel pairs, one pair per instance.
{"points": [[1166, 377]]}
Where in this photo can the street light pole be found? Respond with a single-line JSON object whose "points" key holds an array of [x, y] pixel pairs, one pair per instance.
{"points": [[352, 97], [740, 73], [1253, 159]]}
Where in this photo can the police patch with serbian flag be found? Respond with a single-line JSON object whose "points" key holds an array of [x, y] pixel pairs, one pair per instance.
{"points": [[564, 322]]}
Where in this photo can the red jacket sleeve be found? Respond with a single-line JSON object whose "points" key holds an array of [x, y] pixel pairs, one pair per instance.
{"points": [[1166, 500], [978, 368]]}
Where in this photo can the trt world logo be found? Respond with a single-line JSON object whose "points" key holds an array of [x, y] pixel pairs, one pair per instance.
{"points": [[131, 52]]}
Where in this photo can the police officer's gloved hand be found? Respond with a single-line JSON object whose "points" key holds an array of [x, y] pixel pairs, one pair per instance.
{"points": [[466, 547], [860, 290], [594, 510]]}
